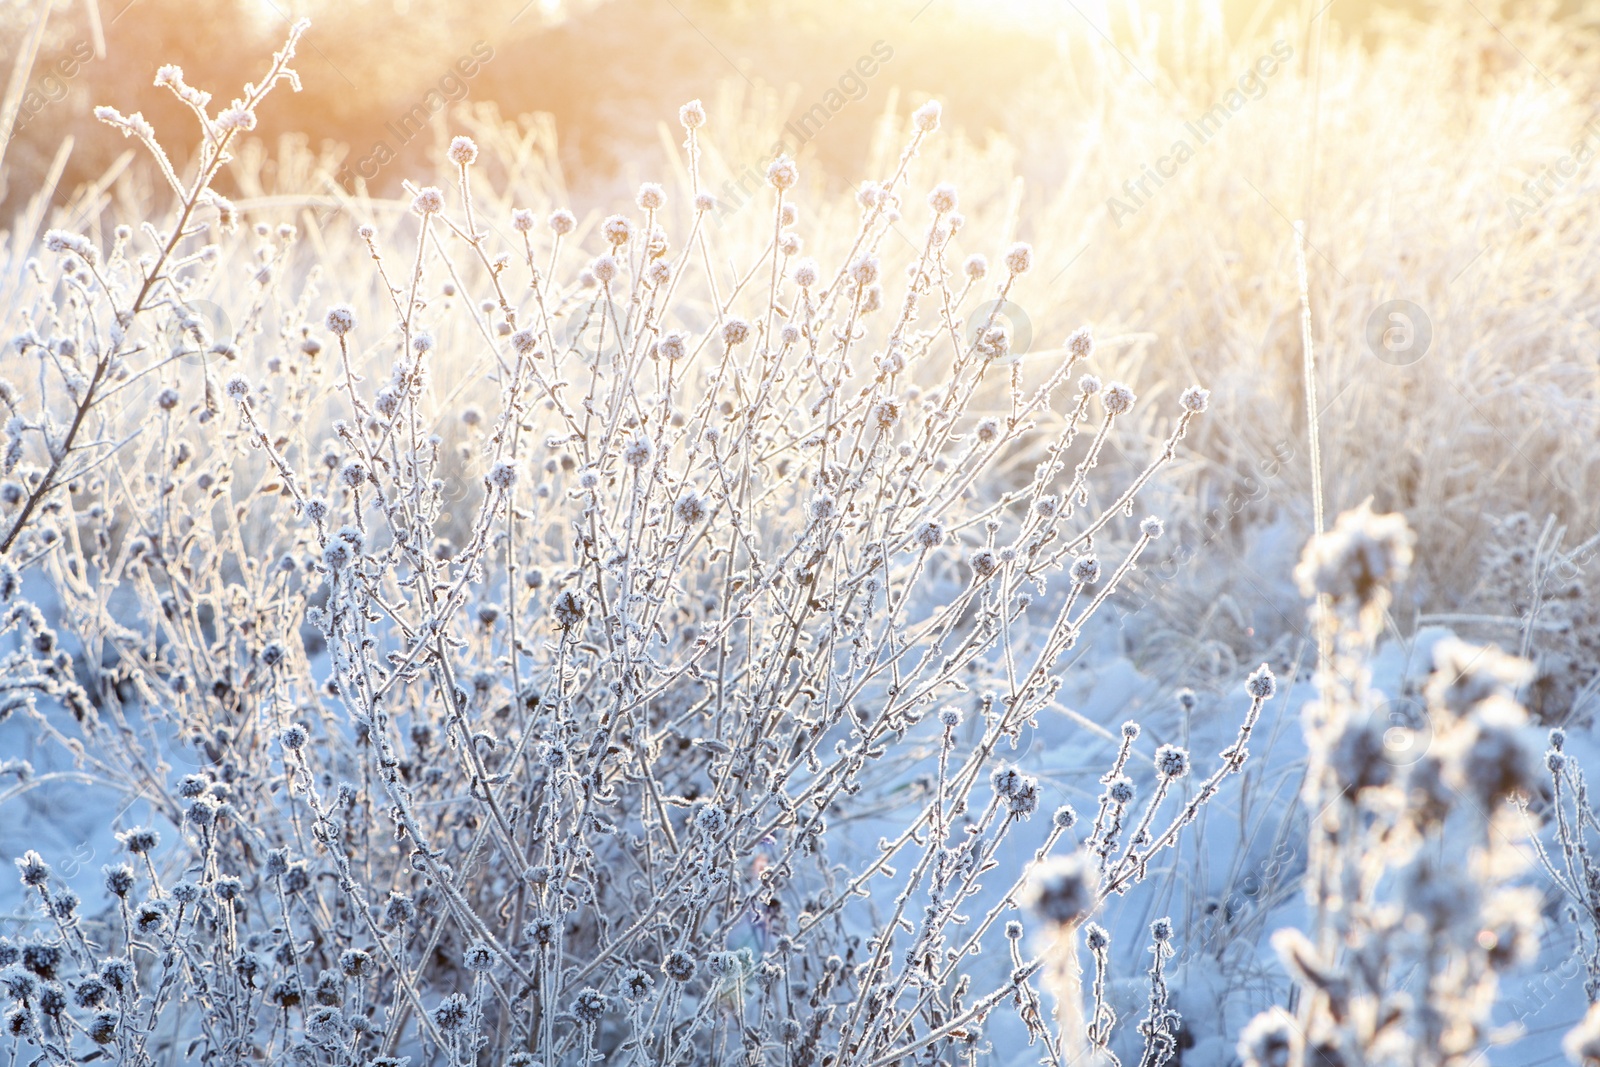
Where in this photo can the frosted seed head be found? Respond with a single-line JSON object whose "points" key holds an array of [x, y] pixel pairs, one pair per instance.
{"points": [[562, 222], [569, 610], [673, 346], [704, 202], [651, 197], [692, 115], [1061, 891], [478, 957], [1195, 399], [503, 475], [864, 271], [782, 173], [523, 342], [735, 332], [399, 909], [1080, 343], [337, 555], [993, 342], [1064, 817], [341, 319], [617, 230], [1085, 570], [451, 1013], [1150, 527], [604, 268], [1025, 801], [691, 509], [926, 117], [711, 820], [1121, 790], [118, 879], [522, 220], [1019, 258], [678, 966], [943, 198], [1172, 761], [1364, 556], [463, 151], [1465, 674], [32, 869], [805, 273], [428, 201], [929, 535], [1118, 399], [976, 267], [237, 388], [1271, 1039], [636, 985], [1262, 683], [636, 453]]}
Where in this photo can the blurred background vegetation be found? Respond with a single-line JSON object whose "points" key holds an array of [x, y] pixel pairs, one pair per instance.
{"points": [[607, 71]]}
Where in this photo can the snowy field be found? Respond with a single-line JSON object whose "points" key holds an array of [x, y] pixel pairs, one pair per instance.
{"points": [[985, 610]]}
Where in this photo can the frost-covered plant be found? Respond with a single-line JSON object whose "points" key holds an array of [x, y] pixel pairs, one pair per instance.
{"points": [[1414, 849], [1575, 869], [669, 732], [1064, 892], [1536, 584]]}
